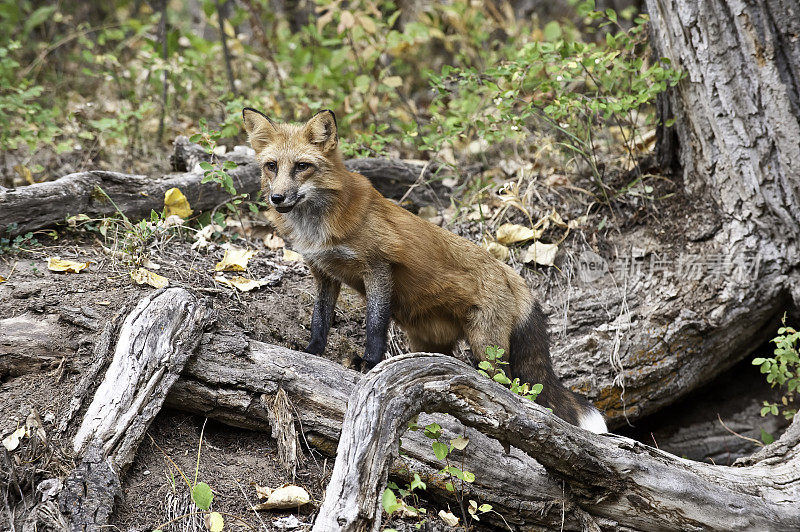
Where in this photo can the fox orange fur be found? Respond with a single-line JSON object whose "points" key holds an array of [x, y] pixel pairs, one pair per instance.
{"points": [[437, 286]]}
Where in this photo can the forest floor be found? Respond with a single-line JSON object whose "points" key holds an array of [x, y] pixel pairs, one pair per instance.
{"points": [[70, 309]]}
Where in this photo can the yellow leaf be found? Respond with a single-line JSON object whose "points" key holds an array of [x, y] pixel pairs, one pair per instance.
{"points": [[142, 276], [291, 256], [54, 264], [498, 251], [243, 284], [215, 522], [235, 260], [2, 279], [541, 253], [393, 81], [284, 498], [25, 173], [176, 203], [513, 233]]}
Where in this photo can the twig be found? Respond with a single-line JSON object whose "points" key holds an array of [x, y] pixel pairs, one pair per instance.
{"points": [[760, 444]]}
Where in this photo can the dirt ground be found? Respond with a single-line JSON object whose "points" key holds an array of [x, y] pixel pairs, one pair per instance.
{"points": [[70, 308]]}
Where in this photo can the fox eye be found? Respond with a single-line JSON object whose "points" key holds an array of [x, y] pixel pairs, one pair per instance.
{"points": [[302, 167], [272, 166]]}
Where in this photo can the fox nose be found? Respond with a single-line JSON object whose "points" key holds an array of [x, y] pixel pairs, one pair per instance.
{"points": [[277, 199]]}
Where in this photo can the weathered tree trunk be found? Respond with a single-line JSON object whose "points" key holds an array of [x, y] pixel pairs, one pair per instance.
{"points": [[613, 477], [713, 285], [45, 204], [154, 342]]}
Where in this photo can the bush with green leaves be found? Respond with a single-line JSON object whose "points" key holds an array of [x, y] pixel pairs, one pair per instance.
{"points": [[567, 86], [782, 370]]}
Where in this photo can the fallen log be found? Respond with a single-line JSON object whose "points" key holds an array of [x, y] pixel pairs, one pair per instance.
{"points": [[608, 476], [234, 380], [152, 347], [45, 204]]}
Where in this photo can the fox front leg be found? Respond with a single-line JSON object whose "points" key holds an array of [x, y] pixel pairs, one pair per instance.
{"points": [[378, 288], [322, 317]]}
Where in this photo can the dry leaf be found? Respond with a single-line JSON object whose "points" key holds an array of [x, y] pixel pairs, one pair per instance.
{"points": [[498, 251], [541, 253], [2, 279], [235, 260], [262, 492], [556, 218], [242, 284], [54, 264], [274, 242], [513, 233], [291, 256], [11, 441], [393, 81], [448, 518], [285, 498], [577, 222], [142, 276], [176, 203]]}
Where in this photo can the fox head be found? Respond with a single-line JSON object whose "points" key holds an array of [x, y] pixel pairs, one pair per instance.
{"points": [[299, 163]]}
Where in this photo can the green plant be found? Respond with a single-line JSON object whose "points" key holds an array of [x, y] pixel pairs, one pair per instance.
{"points": [[782, 369], [216, 171], [491, 367], [19, 242], [200, 492], [564, 85]]}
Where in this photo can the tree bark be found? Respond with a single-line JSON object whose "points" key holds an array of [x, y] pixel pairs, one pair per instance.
{"points": [[615, 478], [152, 347], [45, 204]]}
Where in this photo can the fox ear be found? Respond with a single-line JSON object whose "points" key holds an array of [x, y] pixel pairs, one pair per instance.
{"points": [[260, 129], [321, 130]]}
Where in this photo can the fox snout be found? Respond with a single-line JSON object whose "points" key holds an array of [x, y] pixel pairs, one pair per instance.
{"points": [[284, 200]]}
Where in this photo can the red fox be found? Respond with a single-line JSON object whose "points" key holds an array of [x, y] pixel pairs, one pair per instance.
{"points": [[437, 286]]}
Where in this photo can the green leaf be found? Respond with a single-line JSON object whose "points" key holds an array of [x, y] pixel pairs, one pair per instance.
{"points": [[418, 483], [202, 496], [205, 165], [433, 431], [440, 450], [195, 137], [485, 508], [766, 437], [38, 17], [468, 476], [758, 361], [389, 501], [552, 30]]}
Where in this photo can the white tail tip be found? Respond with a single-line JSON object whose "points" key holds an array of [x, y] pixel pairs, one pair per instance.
{"points": [[593, 420]]}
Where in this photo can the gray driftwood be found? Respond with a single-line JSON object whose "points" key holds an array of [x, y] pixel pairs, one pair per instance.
{"points": [[610, 477], [45, 204], [152, 347]]}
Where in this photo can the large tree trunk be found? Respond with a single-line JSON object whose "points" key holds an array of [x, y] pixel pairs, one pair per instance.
{"points": [[738, 124], [623, 482]]}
